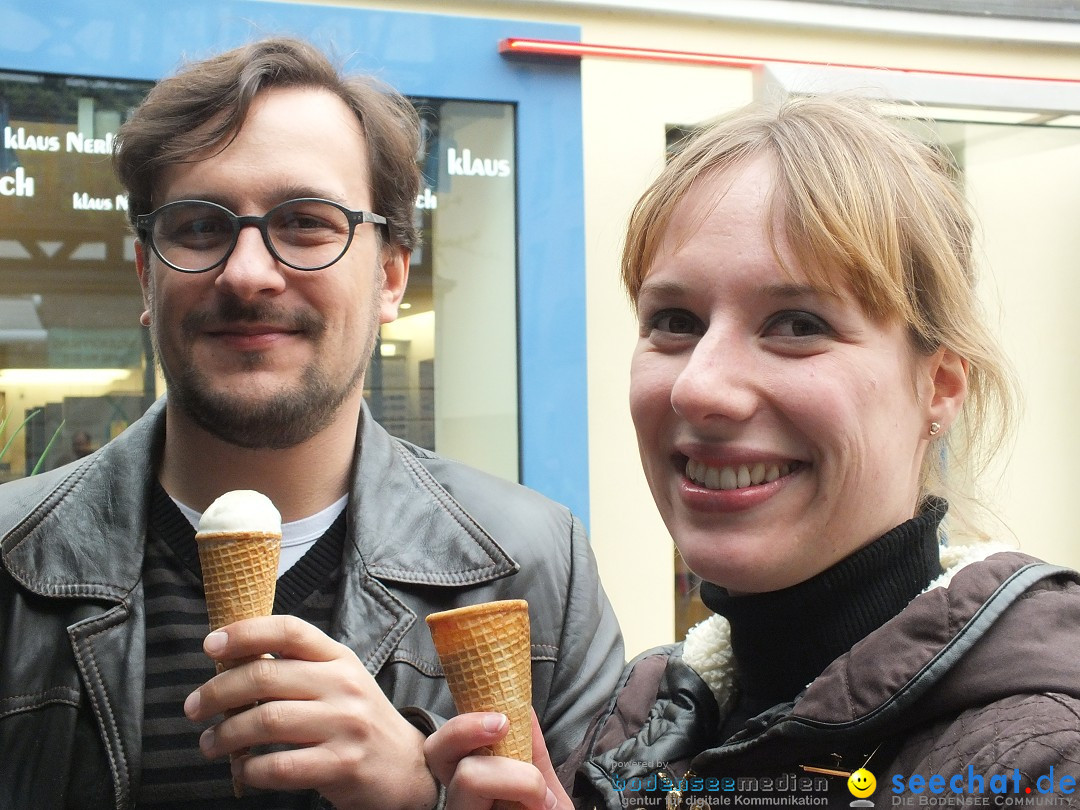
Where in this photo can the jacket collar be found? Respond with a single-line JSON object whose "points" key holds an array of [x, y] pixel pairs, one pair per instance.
{"points": [[707, 648], [79, 531], [407, 527], [404, 527]]}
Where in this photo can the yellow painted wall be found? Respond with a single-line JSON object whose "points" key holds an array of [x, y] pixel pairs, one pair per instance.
{"points": [[1025, 186], [626, 106]]}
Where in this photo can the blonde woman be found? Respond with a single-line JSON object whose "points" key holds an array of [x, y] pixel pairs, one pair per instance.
{"points": [[811, 366]]}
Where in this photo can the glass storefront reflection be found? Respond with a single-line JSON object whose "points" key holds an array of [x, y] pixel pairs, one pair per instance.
{"points": [[460, 306], [72, 355], [75, 367]]}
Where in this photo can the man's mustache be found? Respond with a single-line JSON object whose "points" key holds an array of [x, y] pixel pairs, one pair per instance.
{"points": [[229, 312]]}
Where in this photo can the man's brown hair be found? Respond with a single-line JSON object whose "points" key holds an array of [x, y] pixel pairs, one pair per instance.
{"points": [[204, 105]]}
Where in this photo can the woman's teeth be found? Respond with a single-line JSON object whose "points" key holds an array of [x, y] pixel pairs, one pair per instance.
{"points": [[734, 477]]}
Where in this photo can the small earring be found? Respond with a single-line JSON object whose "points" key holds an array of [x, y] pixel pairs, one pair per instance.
{"points": [[935, 427], [144, 319]]}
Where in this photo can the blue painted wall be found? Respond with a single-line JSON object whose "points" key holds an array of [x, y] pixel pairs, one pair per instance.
{"points": [[421, 55]]}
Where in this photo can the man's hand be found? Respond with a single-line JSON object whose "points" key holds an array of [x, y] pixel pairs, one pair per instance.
{"points": [[346, 740], [474, 780]]}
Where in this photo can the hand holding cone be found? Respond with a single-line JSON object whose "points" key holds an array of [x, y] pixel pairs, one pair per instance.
{"points": [[485, 654], [239, 542]]}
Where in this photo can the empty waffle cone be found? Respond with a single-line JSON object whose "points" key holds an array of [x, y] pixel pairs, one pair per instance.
{"points": [[485, 654]]}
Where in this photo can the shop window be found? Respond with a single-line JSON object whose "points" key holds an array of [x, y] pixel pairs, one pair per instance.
{"points": [[73, 370], [75, 366], [445, 373]]}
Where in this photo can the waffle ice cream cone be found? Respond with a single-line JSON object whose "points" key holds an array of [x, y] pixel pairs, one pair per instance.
{"points": [[239, 540], [485, 654]]}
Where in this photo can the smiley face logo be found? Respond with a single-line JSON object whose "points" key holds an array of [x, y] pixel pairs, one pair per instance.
{"points": [[861, 783]]}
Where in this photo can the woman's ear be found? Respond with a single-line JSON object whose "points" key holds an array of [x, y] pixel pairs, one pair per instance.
{"points": [[949, 374]]}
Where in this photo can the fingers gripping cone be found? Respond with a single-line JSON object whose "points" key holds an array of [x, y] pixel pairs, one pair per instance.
{"points": [[485, 653], [239, 542]]}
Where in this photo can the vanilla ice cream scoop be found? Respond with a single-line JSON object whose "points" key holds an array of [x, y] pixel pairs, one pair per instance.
{"points": [[242, 510]]}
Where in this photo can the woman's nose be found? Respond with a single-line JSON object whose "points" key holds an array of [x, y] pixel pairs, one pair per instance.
{"points": [[717, 382]]}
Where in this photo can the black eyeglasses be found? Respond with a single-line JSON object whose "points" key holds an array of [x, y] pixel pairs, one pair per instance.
{"points": [[194, 236]]}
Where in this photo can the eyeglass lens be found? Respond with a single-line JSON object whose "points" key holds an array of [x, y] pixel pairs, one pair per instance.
{"points": [[306, 234]]}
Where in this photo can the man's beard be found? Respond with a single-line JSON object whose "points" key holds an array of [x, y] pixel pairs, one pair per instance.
{"points": [[279, 419]]}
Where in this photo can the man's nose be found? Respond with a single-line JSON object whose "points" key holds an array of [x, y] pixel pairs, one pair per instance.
{"points": [[251, 268]]}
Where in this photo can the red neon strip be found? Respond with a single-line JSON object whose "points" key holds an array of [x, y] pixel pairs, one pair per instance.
{"points": [[558, 48]]}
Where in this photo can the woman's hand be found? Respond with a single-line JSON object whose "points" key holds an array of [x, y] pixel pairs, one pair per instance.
{"points": [[474, 780]]}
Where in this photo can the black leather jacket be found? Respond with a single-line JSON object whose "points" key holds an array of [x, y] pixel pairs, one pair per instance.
{"points": [[425, 534]]}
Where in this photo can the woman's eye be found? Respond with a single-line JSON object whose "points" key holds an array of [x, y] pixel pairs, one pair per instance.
{"points": [[797, 325], [676, 322]]}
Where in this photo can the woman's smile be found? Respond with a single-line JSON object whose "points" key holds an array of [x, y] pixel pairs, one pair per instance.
{"points": [[737, 477]]}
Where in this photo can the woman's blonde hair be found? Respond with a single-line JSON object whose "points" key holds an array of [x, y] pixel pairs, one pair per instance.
{"points": [[867, 206]]}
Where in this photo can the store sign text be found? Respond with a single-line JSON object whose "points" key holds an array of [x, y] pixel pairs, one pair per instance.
{"points": [[81, 201], [77, 142], [18, 139], [73, 142], [17, 185], [465, 164], [427, 200]]}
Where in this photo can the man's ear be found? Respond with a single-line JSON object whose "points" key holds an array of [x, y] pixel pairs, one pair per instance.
{"points": [[949, 375], [395, 267], [143, 273]]}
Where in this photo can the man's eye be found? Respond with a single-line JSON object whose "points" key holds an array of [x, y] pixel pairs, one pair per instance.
{"points": [[299, 221], [208, 226], [196, 229], [676, 322]]}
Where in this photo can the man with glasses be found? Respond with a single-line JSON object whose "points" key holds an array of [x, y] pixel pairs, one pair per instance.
{"points": [[272, 201]]}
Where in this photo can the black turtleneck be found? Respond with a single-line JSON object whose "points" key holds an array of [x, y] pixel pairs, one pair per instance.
{"points": [[784, 639]]}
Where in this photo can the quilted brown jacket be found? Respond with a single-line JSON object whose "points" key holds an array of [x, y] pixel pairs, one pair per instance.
{"points": [[976, 683]]}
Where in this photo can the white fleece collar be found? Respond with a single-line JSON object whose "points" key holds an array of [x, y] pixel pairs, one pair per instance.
{"points": [[707, 647]]}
